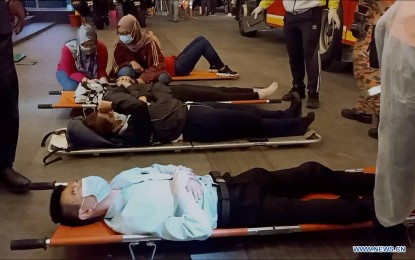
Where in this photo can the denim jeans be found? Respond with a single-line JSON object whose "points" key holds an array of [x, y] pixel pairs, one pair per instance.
{"points": [[66, 82], [187, 59], [128, 71]]}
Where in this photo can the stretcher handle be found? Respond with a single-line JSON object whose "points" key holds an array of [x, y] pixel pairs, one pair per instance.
{"points": [[44, 106], [55, 92], [275, 100], [26, 244], [42, 186]]}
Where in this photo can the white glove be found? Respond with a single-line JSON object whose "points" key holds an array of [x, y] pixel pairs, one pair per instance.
{"points": [[257, 11], [195, 188], [334, 17]]}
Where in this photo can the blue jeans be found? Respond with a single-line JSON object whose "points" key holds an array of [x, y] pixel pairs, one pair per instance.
{"points": [[187, 59], [128, 71], [66, 82]]}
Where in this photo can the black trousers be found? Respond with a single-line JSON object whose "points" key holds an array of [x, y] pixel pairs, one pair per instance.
{"points": [[302, 34], [260, 198], [185, 92], [9, 110], [212, 122]]}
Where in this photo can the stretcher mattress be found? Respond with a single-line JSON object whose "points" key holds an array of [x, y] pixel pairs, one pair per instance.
{"points": [[202, 75]]}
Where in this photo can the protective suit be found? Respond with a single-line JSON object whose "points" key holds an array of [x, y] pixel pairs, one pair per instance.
{"points": [[395, 179]]}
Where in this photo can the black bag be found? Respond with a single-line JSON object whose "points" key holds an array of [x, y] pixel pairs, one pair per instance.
{"points": [[373, 53]]}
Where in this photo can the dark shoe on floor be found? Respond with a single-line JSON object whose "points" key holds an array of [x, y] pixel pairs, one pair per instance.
{"points": [[309, 119], [313, 100], [299, 89], [373, 132], [227, 72], [296, 105], [14, 180], [354, 114]]}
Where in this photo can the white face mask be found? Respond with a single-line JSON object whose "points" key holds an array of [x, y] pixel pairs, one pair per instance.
{"points": [[126, 39], [97, 186]]}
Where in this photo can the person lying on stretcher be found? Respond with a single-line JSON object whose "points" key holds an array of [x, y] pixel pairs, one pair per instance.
{"points": [[143, 117], [184, 92], [173, 203]]}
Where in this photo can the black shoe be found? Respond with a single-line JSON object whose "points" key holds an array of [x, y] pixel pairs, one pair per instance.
{"points": [[313, 100], [354, 114], [296, 105], [296, 88], [309, 119], [226, 72], [14, 180], [373, 132]]}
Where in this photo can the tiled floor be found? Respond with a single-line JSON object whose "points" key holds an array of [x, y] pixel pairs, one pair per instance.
{"points": [[260, 61]]}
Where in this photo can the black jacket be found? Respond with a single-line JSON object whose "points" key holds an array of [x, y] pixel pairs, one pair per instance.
{"points": [[164, 114]]}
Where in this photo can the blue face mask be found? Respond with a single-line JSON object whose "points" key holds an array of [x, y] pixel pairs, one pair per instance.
{"points": [[97, 186], [126, 39]]}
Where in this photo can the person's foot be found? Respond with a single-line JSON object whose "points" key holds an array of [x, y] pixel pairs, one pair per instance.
{"points": [[296, 88], [355, 114], [226, 72], [313, 100], [14, 180], [214, 68], [309, 119], [296, 105], [265, 93], [373, 132]]}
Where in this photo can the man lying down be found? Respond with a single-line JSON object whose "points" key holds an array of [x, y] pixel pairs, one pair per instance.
{"points": [[173, 203]]}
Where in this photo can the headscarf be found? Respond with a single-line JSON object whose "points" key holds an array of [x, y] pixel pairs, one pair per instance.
{"points": [[140, 37], [85, 61]]}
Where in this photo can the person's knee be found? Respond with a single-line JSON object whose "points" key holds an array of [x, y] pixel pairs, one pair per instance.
{"points": [[126, 71], [165, 78]]}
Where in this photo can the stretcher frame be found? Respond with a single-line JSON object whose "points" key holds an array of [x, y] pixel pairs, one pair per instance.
{"points": [[67, 100], [100, 233], [310, 137], [202, 75]]}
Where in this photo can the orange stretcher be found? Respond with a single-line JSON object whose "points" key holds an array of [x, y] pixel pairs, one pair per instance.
{"points": [[202, 75], [99, 233], [67, 100]]}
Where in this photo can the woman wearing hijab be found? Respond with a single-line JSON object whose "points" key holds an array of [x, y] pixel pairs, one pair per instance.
{"points": [[137, 54], [83, 59]]}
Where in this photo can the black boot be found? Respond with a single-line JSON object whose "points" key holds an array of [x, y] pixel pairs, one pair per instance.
{"points": [[14, 180], [300, 89], [354, 114], [296, 105]]}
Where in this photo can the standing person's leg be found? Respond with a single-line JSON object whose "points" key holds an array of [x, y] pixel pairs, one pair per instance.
{"points": [[9, 112], [311, 37], [187, 59], [203, 7], [212, 7], [176, 10], [293, 42], [66, 82]]}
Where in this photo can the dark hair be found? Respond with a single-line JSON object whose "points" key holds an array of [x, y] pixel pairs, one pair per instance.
{"points": [[99, 125], [64, 216]]}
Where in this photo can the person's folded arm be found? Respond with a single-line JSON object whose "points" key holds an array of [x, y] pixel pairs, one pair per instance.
{"points": [[124, 103]]}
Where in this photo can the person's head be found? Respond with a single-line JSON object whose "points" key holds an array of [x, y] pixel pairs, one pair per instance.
{"points": [[87, 39], [129, 30], [102, 124], [74, 204]]}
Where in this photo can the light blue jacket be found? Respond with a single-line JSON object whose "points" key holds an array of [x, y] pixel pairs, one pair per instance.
{"points": [[146, 205]]}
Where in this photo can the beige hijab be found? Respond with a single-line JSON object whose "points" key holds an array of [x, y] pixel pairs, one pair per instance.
{"points": [[140, 37]]}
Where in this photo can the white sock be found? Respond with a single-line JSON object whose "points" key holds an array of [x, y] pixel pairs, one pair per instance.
{"points": [[265, 93]]}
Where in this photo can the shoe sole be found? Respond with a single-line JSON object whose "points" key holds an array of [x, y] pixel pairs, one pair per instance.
{"points": [[227, 75], [213, 71], [312, 106]]}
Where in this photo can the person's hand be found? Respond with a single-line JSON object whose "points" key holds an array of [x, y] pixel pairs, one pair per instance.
{"points": [[195, 188], [140, 81], [103, 80], [84, 80], [257, 11], [104, 106], [124, 81], [17, 10], [180, 180], [333, 17], [150, 12], [143, 98], [137, 67]]}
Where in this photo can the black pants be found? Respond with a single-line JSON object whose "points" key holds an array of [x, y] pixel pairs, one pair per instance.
{"points": [[9, 110], [185, 92], [260, 198], [302, 34], [220, 122]]}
